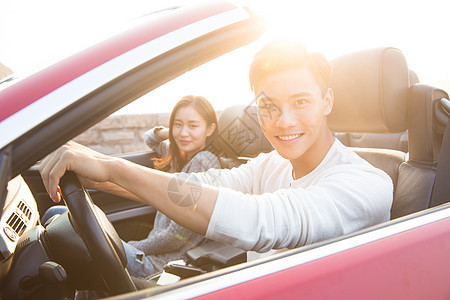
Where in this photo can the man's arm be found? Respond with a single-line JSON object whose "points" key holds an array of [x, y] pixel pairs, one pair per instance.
{"points": [[108, 187], [185, 201]]}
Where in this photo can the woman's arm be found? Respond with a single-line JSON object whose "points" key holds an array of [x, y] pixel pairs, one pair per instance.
{"points": [[157, 139], [185, 201]]}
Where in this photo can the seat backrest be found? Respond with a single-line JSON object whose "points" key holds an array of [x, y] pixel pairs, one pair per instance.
{"points": [[403, 104], [388, 160], [371, 96]]}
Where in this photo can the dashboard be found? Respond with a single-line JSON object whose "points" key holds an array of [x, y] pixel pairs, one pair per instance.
{"points": [[20, 214]]}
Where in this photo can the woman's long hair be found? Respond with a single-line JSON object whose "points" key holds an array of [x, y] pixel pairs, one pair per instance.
{"points": [[175, 159]]}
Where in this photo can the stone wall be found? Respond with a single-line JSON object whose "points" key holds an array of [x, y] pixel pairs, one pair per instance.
{"points": [[119, 134]]}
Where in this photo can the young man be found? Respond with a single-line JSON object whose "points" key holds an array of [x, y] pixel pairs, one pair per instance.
{"points": [[308, 189]]}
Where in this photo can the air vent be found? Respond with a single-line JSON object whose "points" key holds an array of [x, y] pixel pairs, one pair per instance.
{"points": [[18, 221], [25, 210]]}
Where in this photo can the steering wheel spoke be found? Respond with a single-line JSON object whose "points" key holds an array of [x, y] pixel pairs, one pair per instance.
{"points": [[106, 250]]}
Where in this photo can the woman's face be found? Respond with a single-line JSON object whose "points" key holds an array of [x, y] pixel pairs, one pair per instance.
{"points": [[190, 130]]}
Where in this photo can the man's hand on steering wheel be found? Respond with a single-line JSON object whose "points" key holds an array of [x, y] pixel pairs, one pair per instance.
{"points": [[87, 163]]}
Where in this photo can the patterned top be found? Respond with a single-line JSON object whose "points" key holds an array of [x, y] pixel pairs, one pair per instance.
{"points": [[167, 240]]}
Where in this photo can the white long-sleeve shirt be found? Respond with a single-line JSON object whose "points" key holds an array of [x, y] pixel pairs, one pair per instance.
{"points": [[260, 207]]}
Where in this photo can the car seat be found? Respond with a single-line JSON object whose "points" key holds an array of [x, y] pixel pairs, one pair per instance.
{"points": [[375, 92]]}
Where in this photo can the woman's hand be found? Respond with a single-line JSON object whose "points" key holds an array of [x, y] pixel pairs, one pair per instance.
{"points": [[163, 133], [88, 164]]}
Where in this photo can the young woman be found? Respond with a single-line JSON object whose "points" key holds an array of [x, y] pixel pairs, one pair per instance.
{"points": [[183, 147]]}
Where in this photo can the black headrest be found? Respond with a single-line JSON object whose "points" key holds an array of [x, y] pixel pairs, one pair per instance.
{"points": [[371, 92]]}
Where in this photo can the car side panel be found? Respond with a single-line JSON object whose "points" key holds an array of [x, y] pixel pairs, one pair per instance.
{"points": [[409, 265]]}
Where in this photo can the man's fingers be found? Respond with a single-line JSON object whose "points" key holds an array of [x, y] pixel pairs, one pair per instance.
{"points": [[58, 195], [52, 169], [53, 181], [45, 168]]}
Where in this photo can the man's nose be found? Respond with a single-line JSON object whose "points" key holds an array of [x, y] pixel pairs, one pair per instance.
{"points": [[287, 119]]}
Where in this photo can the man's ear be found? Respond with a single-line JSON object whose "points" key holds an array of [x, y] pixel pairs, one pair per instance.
{"points": [[329, 101], [210, 129]]}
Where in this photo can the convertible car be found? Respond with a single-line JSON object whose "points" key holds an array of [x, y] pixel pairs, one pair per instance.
{"points": [[378, 98]]}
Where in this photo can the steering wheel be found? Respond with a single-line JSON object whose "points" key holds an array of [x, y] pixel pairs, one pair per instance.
{"points": [[105, 248]]}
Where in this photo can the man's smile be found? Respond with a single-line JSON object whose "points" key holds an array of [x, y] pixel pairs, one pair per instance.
{"points": [[289, 137]]}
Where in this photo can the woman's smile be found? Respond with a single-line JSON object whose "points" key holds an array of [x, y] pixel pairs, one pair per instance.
{"points": [[184, 142]]}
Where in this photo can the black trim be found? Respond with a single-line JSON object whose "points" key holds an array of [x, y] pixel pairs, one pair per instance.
{"points": [[5, 175], [441, 188]]}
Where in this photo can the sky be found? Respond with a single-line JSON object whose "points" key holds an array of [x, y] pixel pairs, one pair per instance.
{"points": [[34, 34]]}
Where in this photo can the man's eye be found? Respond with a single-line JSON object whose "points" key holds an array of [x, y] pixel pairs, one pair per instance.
{"points": [[300, 102], [268, 106]]}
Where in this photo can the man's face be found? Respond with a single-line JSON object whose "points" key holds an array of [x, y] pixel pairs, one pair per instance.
{"points": [[292, 113]]}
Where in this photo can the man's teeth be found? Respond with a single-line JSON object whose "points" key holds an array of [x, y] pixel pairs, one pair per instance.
{"points": [[288, 137]]}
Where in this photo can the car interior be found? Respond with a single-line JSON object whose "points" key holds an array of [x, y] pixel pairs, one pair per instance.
{"points": [[381, 111]]}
